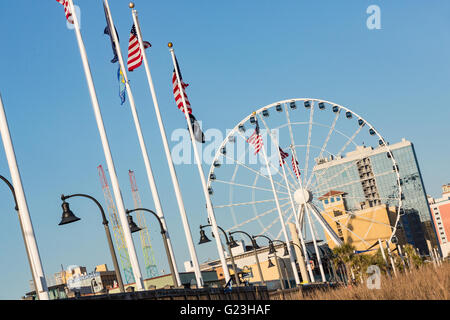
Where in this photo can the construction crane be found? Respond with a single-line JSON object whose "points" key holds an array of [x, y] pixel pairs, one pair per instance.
{"points": [[117, 229], [144, 235]]}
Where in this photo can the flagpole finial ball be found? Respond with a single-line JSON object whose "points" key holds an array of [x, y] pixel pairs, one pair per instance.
{"points": [[131, 5], [253, 113], [170, 44]]}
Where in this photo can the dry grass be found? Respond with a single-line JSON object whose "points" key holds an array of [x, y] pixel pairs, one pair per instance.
{"points": [[426, 283]]}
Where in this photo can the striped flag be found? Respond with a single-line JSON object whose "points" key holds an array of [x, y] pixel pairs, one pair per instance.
{"points": [[255, 139], [65, 3], [283, 155], [295, 167], [178, 90], [134, 50]]}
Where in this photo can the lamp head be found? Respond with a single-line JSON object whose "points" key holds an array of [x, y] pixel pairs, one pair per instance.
{"points": [[233, 243], [67, 215], [286, 251], [271, 248], [270, 265], [133, 226], [203, 237]]}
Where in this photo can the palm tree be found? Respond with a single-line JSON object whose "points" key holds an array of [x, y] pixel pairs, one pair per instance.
{"points": [[343, 255]]}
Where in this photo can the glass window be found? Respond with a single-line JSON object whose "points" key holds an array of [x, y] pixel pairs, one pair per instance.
{"points": [[326, 201], [332, 199], [338, 198]]}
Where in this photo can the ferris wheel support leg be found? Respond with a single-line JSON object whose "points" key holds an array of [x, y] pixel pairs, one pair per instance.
{"points": [[316, 248], [325, 225]]}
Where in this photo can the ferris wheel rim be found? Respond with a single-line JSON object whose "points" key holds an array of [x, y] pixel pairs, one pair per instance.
{"points": [[235, 129]]}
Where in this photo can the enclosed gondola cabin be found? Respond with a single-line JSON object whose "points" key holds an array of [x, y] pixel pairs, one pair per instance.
{"points": [[348, 114], [216, 164], [279, 108], [241, 128], [252, 120], [335, 109], [265, 113], [361, 122], [321, 105], [372, 132], [212, 176], [292, 105], [307, 104]]}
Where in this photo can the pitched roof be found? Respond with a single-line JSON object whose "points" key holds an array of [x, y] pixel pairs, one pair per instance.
{"points": [[331, 194]]}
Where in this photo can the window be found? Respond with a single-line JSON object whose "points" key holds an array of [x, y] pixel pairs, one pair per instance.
{"points": [[332, 199], [326, 201], [338, 198]]}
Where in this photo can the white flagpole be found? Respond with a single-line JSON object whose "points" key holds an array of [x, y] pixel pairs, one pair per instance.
{"points": [[24, 214], [150, 177], [109, 160], [202, 174], [280, 215], [163, 136]]}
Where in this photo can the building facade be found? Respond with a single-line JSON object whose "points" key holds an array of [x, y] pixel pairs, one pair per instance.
{"points": [[367, 177], [440, 210]]}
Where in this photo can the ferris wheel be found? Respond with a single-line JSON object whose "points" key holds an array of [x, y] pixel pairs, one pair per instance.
{"points": [[318, 163]]}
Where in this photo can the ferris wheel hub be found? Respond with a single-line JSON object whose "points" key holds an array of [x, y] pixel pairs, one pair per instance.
{"points": [[302, 196]]}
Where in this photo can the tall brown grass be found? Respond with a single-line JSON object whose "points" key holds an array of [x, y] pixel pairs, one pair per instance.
{"points": [[425, 283]]}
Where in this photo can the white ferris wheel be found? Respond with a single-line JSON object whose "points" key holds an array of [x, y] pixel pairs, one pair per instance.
{"points": [[320, 135]]}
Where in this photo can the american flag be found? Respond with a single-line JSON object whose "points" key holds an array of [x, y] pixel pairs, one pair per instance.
{"points": [[177, 89], [283, 155], [65, 3], [255, 139], [134, 50], [295, 167]]}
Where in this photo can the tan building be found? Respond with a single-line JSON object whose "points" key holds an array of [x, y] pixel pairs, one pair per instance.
{"points": [[362, 228]]}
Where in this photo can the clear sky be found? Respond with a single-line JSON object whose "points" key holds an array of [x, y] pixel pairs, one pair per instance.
{"points": [[236, 55]]}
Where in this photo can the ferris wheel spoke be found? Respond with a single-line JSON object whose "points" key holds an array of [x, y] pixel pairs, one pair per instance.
{"points": [[325, 143], [291, 135], [246, 186], [247, 203], [277, 146], [273, 223], [326, 181], [311, 117], [287, 221], [256, 217], [350, 140], [253, 170]]}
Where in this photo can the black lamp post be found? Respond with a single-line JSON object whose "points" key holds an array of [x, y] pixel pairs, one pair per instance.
{"points": [[69, 217], [21, 228], [163, 234], [204, 239], [255, 246], [273, 251]]}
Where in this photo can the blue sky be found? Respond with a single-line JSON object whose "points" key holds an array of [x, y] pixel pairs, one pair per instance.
{"points": [[236, 56]]}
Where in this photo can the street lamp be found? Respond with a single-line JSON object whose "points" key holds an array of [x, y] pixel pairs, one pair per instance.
{"points": [[21, 228], [273, 251], [230, 243], [68, 217], [255, 246], [163, 234]]}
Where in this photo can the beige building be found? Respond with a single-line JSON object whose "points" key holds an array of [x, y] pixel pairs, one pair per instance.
{"points": [[362, 228]]}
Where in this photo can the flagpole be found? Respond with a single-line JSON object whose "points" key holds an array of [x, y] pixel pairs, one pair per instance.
{"points": [[280, 215], [109, 160], [209, 207], [24, 214], [163, 135], [150, 177]]}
